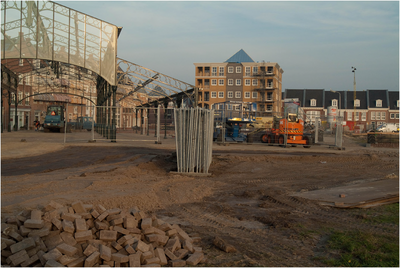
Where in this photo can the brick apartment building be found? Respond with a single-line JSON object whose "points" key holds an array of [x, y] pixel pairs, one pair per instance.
{"points": [[240, 79], [367, 110]]}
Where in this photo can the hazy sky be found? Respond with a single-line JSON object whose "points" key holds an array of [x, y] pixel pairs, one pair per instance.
{"points": [[315, 43]]}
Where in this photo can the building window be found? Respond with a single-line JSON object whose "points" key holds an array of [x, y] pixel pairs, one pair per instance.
{"points": [[230, 94], [238, 69], [397, 116], [20, 96], [248, 71], [270, 69], [334, 102], [247, 95], [357, 103], [237, 108], [255, 82], [27, 98], [28, 80], [378, 116], [230, 82], [206, 83], [21, 62], [364, 116], [391, 116], [213, 94], [372, 115], [313, 102], [230, 69], [214, 71], [213, 82], [21, 79], [357, 116], [255, 69], [255, 95], [383, 115], [378, 103], [247, 82], [221, 82], [221, 71], [238, 94], [220, 94], [206, 96], [349, 117], [238, 82]]}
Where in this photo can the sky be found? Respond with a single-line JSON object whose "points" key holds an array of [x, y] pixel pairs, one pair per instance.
{"points": [[316, 43]]}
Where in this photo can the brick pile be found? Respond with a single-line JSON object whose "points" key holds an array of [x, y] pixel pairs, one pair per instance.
{"points": [[83, 235]]}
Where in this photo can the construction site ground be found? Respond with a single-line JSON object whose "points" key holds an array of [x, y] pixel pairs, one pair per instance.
{"points": [[275, 205]]}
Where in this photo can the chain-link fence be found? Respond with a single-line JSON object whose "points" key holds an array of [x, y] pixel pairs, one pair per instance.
{"points": [[117, 124]]}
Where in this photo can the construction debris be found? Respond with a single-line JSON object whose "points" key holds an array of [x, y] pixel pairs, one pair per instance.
{"points": [[83, 235], [224, 246]]}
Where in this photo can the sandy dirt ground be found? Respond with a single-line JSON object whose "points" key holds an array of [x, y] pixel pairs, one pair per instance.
{"points": [[249, 200]]}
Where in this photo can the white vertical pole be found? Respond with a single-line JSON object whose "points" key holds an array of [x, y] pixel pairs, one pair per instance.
{"points": [[65, 125], [158, 124]]}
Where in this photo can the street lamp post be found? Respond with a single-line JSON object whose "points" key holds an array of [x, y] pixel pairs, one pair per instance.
{"points": [[354, 97]]}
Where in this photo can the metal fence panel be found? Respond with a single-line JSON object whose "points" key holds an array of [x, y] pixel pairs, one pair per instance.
{"points": [[194, 136]]}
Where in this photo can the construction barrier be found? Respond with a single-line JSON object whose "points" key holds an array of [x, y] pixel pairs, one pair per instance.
{"points": [[194, 137]]}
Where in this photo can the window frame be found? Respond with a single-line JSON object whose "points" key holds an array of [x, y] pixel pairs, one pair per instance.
{"points": [[213, 94], [392, 116], [247, 71], [247, 95], [221, 71], [378, 103], [313, 103], [230, 82], [238, 69], [213, 82], [255, 82], [357, 103], [247, 82], [230, 94], [221, 82], [255, 69], [231, 69], [220, 94], [238, 95], [212, 71], [349, 116], [254, 95], [238, 82]]}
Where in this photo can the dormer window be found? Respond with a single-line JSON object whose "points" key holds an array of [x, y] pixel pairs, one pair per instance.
{"points": [[378, 103], [334, 102], [313, 102], [357, 103]]}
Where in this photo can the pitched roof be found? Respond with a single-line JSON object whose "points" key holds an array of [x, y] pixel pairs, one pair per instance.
{"points": [[377, 94], [239, 57], [393, 98]]}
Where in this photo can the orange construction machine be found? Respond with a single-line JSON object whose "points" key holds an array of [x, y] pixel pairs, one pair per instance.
{"points": [[287, 131]]}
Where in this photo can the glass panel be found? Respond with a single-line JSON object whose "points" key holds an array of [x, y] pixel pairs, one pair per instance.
{"points": [[108, 52], [45, 21], [77, 38], [28, 36], [61, 27], [92, 44], [12, 29]]}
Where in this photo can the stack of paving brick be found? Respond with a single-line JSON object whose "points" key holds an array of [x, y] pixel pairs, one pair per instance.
{"points": [[83, 235]]}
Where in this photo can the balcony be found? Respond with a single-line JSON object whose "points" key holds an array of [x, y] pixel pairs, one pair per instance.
{"points": [[263, 73]]}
